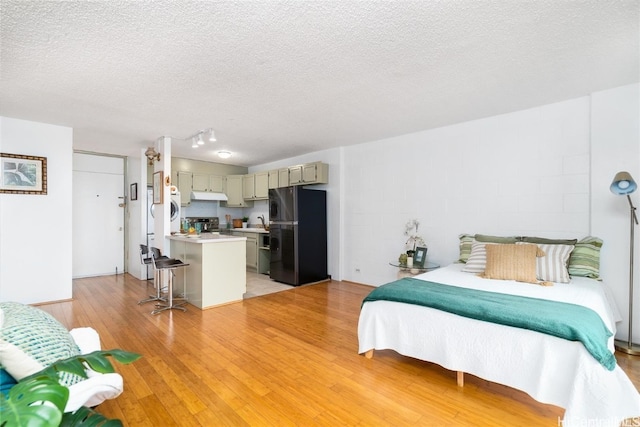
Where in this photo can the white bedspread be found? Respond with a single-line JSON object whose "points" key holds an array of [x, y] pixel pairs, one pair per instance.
{"points": [[551, 370]]}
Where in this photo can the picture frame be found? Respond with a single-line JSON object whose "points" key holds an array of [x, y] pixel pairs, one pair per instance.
{"points": [[133, 191], [158, 178], [21, 174], [420, 257]]}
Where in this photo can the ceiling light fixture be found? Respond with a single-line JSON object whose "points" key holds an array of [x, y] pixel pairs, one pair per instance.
{"points": [[152, 155], [197, 138], [224, 154]]}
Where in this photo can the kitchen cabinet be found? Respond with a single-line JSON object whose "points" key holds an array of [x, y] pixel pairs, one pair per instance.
{"points": [[234, 192], [273, 179], [216, 273], [206, 182], [278, 178], [309, 173], [283, 177], [261, 185], [248, 187], [256, 186], [185, 183], [252, 248]]}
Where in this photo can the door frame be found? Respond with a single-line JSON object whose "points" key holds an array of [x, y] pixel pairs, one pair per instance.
{"points": [[126, 201]]}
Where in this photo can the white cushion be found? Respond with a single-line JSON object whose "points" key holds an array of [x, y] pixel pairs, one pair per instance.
{"points": [[93, 391]]}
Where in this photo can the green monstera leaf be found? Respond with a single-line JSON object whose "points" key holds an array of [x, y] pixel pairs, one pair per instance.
{"points": [[39, 400], [24, 404]]}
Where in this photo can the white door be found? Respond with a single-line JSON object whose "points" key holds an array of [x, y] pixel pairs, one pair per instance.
{"points": [[98, 217]]}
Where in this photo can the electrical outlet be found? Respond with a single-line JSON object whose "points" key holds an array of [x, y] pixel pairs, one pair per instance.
{"points": [[357, 270]]}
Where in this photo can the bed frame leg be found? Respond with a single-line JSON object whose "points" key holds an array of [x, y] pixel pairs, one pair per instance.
{"points": [[368, 354], [460, 378]]}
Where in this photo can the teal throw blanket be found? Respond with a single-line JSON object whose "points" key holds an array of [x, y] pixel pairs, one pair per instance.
{"points": [[568, 321]]}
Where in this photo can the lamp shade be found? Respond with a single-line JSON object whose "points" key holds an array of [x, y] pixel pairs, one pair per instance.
{"points": [[623, 184]]}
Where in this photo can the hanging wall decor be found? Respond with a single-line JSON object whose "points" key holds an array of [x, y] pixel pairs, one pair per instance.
{"points": [[20, 174]]}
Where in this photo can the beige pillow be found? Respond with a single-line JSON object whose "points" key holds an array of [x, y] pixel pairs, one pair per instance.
{"points": [[512, 262]]}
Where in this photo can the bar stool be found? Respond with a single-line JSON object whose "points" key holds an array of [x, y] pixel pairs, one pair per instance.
{"points": [[146, 259], [169, 265]]}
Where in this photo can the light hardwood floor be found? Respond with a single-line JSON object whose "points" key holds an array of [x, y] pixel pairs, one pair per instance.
{"points": [[287, 358]]}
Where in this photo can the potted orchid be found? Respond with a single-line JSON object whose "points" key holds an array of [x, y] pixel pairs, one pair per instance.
{"points": [[411, 230]]}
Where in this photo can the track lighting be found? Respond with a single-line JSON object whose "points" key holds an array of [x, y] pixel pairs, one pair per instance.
{"points": [[197, 139]]}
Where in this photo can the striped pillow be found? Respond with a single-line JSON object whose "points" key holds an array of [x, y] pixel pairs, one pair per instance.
{"points": [[31, 340], [466, 240], [553, 266], [477, 259], [585, 258]]}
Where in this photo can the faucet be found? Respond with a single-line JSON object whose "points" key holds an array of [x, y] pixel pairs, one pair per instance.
{"points": [[261, 218]]}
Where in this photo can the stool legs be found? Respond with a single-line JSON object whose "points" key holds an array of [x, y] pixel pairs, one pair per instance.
{"points": [[158, 284], [170, 300]]}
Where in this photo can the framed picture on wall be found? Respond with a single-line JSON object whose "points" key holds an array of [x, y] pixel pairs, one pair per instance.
{"points": [[420, 257], [133, 191], [23, 174], [158, 178]]}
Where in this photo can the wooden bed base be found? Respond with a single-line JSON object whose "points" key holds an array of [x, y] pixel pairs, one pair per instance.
{"points": [[459, 374]]}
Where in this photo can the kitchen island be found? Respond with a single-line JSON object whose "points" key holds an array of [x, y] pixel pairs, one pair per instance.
{"points": [[216, 273]]}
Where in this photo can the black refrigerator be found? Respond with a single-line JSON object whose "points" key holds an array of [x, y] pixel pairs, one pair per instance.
{"points": [[298, 235]]}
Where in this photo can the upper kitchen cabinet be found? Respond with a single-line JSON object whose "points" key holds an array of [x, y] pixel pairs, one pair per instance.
{"points": [[279, 178], [234, 192], [273, 179], [184, 184], [309, 173], [206, 182], [256, 186]]}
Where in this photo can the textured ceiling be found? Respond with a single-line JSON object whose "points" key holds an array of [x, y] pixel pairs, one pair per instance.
{"points": [[277, 79]]}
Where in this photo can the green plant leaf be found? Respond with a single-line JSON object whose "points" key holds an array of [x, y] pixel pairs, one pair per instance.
{"points": [[99, 363], [39, 400], [23, 405], [85, 417]]}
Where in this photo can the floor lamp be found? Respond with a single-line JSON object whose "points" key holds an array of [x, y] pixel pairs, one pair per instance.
{"points": [[623, 185]]}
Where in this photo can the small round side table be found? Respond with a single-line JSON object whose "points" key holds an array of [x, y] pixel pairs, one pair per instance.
{"points": [[404, 271]]}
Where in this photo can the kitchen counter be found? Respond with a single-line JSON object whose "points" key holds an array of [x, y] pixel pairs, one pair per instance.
{"points": [[248, 230], [206, 238], [216, 273]]}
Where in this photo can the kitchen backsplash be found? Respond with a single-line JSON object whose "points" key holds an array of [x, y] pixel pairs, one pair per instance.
{"points": [[207, 209]]}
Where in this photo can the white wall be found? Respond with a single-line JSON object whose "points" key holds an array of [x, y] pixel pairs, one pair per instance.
{"points": [[615, 139], [136, 223], [36, 230], [524, 173]]}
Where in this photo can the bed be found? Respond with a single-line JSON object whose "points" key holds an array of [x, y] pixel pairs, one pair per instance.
{"points": [[550, 369]]}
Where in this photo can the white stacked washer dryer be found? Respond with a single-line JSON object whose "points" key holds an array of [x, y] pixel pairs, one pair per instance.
{"points": [[175, 220]]}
